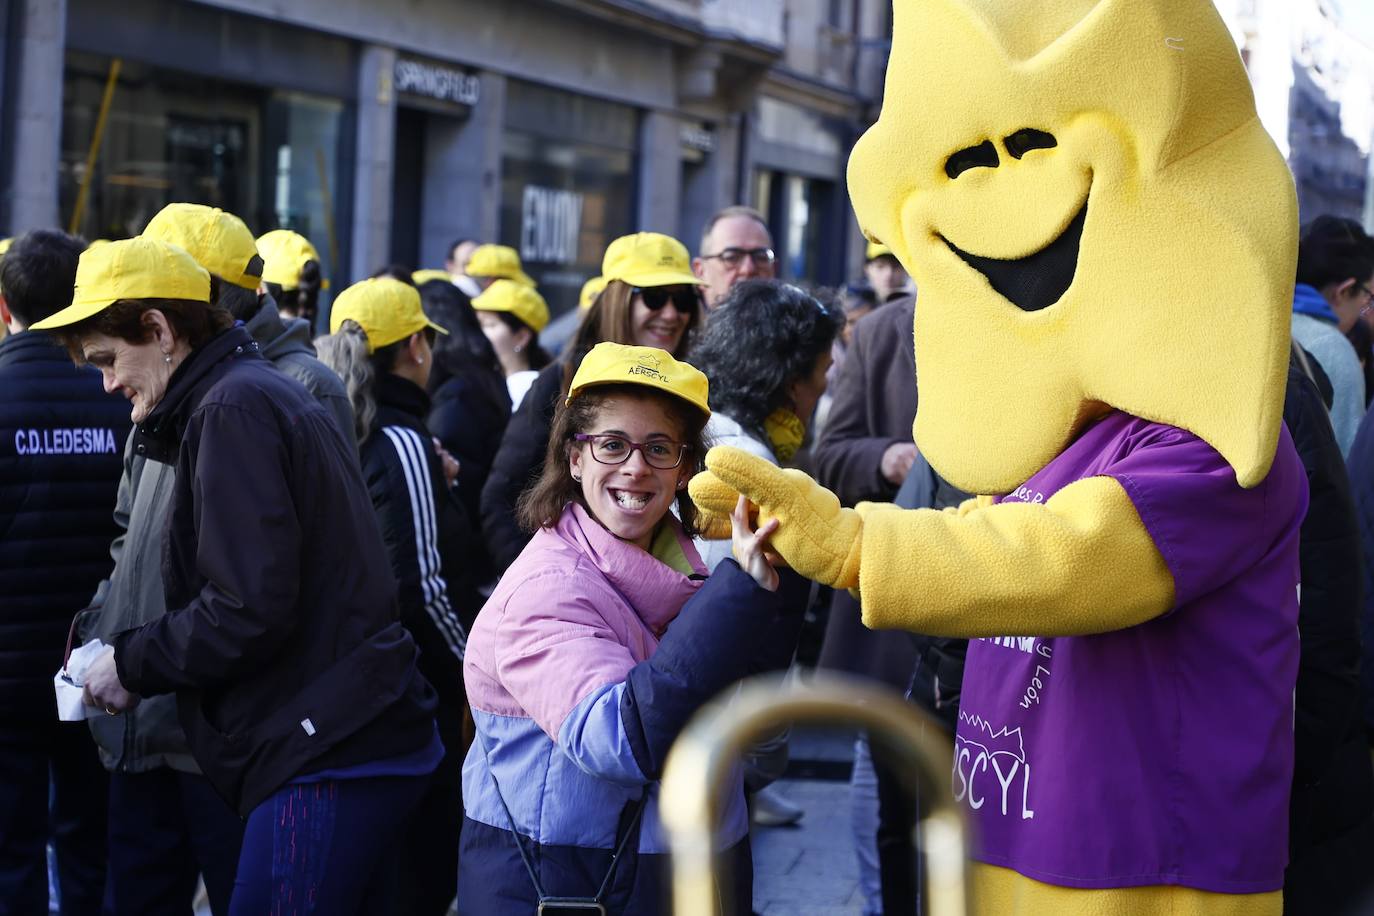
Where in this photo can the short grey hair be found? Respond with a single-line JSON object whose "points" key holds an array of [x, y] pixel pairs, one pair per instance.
{"points": [[727, 213]]}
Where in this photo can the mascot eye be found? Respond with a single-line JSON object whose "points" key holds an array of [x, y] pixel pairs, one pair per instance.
{"points": [[982, 156], [1027, 139]]}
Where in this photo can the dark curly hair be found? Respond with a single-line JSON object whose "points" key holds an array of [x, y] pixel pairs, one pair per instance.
{"points": [[761, 338]]}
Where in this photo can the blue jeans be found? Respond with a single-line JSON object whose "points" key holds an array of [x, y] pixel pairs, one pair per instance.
{"points": [[863, 793], [167, 827], [325, 847], [52, 787]]}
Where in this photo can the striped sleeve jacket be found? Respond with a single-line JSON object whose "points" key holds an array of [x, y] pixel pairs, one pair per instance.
{"points": [[424, 528]]}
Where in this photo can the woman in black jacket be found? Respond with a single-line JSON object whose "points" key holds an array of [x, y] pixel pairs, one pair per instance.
{"points": [[296, 683], [651, 299], [470, 405], [381, 349]]}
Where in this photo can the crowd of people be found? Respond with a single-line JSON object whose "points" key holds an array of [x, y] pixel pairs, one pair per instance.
{"points": [[412, 611], [317, 569]]}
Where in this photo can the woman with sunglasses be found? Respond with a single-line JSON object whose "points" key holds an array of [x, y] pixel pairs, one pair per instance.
{"points": [[602, 641], [651, 299]]}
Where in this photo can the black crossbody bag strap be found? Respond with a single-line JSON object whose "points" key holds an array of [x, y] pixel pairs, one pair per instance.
{"points": [[622, 839]]}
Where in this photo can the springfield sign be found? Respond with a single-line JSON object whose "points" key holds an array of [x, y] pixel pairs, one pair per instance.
{"points": [[434, 82]]}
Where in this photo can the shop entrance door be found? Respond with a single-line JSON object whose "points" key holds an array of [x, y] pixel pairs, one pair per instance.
{"points": [[407, 188]]}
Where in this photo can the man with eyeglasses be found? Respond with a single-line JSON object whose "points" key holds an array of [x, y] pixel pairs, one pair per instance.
{"points": [[736, 245], [1335, 276]]}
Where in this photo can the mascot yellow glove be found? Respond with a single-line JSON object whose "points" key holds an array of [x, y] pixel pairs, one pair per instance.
{"points": [[817, 537], [715, 501]]}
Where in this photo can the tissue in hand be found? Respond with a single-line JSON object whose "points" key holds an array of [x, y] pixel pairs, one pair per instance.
{"points": [[69, 682]]}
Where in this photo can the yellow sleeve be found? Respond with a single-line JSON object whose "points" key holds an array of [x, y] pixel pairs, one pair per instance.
{"points": [[1081, 562]]}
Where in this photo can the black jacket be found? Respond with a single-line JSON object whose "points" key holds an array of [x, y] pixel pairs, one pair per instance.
{"points": [[1330, 841], [150, 736], [61, 437], [518, 463], [469, 413], [1360, 463], [873, 407], [425, 532], [282, 640]]}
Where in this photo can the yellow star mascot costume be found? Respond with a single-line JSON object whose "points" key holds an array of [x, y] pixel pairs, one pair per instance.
{"points": [[1104, 240]]}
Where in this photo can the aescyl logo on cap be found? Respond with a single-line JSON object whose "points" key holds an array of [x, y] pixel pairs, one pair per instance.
{"points": [[649, 367]]}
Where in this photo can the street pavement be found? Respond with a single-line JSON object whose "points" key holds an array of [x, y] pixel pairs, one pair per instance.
{"points": [[810, 869]]}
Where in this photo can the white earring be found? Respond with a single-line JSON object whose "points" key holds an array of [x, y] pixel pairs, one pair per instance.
{"points": [[167, 358], [519, 347]]}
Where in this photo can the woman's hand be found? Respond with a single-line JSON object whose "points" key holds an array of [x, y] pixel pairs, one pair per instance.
{"points": [[450, 463], [103, 688], [751, 547]]}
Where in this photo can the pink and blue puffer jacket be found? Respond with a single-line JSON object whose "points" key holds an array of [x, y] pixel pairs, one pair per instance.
{"points": [[581, 669]]}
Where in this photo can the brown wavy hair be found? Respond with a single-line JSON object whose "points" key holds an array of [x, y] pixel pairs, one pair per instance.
{"points": [[194, 322], [541, 505], [611, 317]]}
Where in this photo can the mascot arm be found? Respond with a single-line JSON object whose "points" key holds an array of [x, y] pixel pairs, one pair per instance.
{"points": [[969, 505], [1081, 562]]}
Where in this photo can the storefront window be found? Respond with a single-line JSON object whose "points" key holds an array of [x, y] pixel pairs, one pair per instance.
{"points": [[567, 185], [801, 211], [269, 156]]}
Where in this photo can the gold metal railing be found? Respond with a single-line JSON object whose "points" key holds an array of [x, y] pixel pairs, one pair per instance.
{"points": [[700, 762]]}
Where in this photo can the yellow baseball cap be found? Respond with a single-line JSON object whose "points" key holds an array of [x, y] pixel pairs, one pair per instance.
{"points": [[137, 268], [285, 253], [590, 290], [386, 309], [4, 246], [648, 259], [524, 302], [500, 261], [421, 277], [877, 250], [619, 364], [219, 241]]}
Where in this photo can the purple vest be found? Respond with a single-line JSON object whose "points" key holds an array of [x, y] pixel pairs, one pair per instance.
{"points": [[1160, 754]]}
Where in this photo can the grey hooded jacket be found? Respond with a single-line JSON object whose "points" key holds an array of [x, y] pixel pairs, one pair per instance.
{"points": [[285, 342], [149, 736]]}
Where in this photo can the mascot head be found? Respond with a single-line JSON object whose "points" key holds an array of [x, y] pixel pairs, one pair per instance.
{"points": [[1094, 218]]}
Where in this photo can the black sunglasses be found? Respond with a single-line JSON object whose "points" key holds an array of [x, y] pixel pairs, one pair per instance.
{"points": [[686, 299]]}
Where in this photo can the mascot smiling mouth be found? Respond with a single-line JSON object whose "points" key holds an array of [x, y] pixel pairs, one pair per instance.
{"points": [[1036, 281]]}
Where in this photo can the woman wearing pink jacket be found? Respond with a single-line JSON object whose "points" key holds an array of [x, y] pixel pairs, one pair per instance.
{"points": [[600, 642]]}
